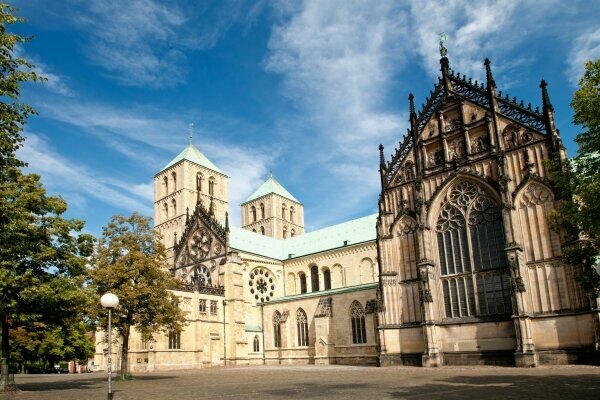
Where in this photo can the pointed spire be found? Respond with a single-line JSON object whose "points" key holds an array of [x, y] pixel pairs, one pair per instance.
{"points": [[445, 65], [488, 73], [381, 157], [545, 98], [411, 101]]}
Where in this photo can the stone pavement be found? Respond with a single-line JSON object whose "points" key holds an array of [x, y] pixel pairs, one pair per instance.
{"points": [[324, 382]]}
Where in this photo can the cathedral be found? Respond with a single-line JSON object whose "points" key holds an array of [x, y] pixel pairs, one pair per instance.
{"points": [[459, 266]]}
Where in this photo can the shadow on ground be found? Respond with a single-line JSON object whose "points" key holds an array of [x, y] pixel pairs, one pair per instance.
{"points": [[87, 383], [506, 386]]}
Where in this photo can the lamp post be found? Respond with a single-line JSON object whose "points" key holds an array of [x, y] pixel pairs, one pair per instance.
{"points": [[110, 301]]}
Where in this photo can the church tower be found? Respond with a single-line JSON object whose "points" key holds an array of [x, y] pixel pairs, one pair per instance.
{"points": [[273, 211], [189, 178]]}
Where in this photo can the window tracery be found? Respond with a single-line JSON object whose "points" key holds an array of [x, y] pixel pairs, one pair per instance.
{"points": [[473, 266], [256, 346], [262, 285], [302, 328], [276, 329], [357, 316]]}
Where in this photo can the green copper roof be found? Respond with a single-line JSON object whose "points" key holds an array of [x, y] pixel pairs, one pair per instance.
{"points": [[323, 293], [192, 154], [271, 186], [354, 232]]}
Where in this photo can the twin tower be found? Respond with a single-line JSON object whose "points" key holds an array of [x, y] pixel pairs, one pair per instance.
{"points": [[191, 178]]}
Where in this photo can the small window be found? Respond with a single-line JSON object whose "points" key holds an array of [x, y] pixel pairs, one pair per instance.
{"points": [[256, 344], [314, 278], [199, 182], [202, 306], [253, 214], [262, 211], [326, 279], [174, 340], [293, 233], [174, 175], [165, 210], [285, 232], [166, 185], [291, 213], [262, 230], [283, 208], [276, 329], [174, 206], [213, 307], [302, 276], [211, 186]]}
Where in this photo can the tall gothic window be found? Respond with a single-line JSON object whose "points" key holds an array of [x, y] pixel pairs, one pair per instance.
{"points": [[283, 211], [314, 278], [291, 213], [473, 266], [262, 211], [256, 344], [326, 279], [302, 327], [357, 316], [174, 175], [276, 329], [253, 214], [211, 186], [166, 185], [302, 277], [174, 340]]}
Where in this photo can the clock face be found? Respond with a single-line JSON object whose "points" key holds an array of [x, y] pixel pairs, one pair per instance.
{"points": [[200, 244]]}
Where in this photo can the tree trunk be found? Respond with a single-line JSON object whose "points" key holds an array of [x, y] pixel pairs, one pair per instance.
{"points": [[125, 354], [6, 384]]}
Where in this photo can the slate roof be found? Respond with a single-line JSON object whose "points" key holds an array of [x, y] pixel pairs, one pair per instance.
{"points": [[356, 231], [271, 185], [192, 154]]}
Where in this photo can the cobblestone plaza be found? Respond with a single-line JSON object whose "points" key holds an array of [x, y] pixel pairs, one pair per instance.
{"points": [[324, 382]]}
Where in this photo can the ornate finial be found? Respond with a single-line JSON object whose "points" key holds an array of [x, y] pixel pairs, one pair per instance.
{"points": [[488, 73], [443, 49], [191, 131], [187, 214], [211, 207], [174, 238], [226, 222], [528, 167], [270, 173], [545, 98], [411, 100], [381, 155]]}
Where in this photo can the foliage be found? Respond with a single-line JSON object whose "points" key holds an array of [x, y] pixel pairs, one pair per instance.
{"points": [[131, 262], [42, 256], [577, 215]]}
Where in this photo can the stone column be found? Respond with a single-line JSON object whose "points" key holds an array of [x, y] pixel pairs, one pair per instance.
{"points": [[432, 357]]}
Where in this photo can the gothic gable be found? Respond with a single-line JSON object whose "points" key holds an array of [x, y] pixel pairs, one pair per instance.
{"points": [[201, 248]]}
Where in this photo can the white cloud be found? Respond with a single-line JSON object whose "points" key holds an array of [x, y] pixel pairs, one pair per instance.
{"points": [[144, 42], [586, 47], [74, 180]]}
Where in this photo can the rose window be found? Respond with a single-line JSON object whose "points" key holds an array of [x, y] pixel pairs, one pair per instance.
{"points": [[262, 285], [199, 245]]}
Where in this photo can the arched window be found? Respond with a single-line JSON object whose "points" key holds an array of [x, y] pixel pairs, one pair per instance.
{"points": [[262, 230], [276, 329], [262, 211], [165, 210], [174, 177], [174, 206], [302, 327], [326, 279], [291, 213], [357, 316], [253, 214], [199, 182], [166, 185], [211, 186], [314, 278], [283, 208], [473, 266], [285, 232], [292, 233], [256, 344], [302, 277]]}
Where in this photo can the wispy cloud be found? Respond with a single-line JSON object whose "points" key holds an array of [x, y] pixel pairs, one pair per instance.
{"points": [[144, 42], [586, 47], [76, 182]]}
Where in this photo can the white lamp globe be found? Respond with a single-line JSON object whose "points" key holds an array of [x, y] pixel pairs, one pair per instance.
{"points": [[109, 300]]}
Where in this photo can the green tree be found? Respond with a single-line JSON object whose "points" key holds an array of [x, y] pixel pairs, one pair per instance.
{"points": [[577, 215], [131, 262], [40, 251]]}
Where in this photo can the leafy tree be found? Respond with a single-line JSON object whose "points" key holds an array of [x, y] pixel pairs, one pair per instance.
{"points": [[577, 215], [41, 253], [131, 262]]}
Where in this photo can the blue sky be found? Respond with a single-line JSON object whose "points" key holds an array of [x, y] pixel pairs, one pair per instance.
{"points": [[307, 89]]}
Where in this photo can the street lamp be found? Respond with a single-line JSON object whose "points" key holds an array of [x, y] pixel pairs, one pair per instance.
{"points": [[110, 301]]}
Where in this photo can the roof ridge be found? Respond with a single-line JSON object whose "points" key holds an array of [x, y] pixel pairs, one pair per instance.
{"points": [[192, 154]]}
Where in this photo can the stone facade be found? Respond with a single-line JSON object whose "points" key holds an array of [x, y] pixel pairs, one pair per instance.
{"points": [[470, 270]]}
